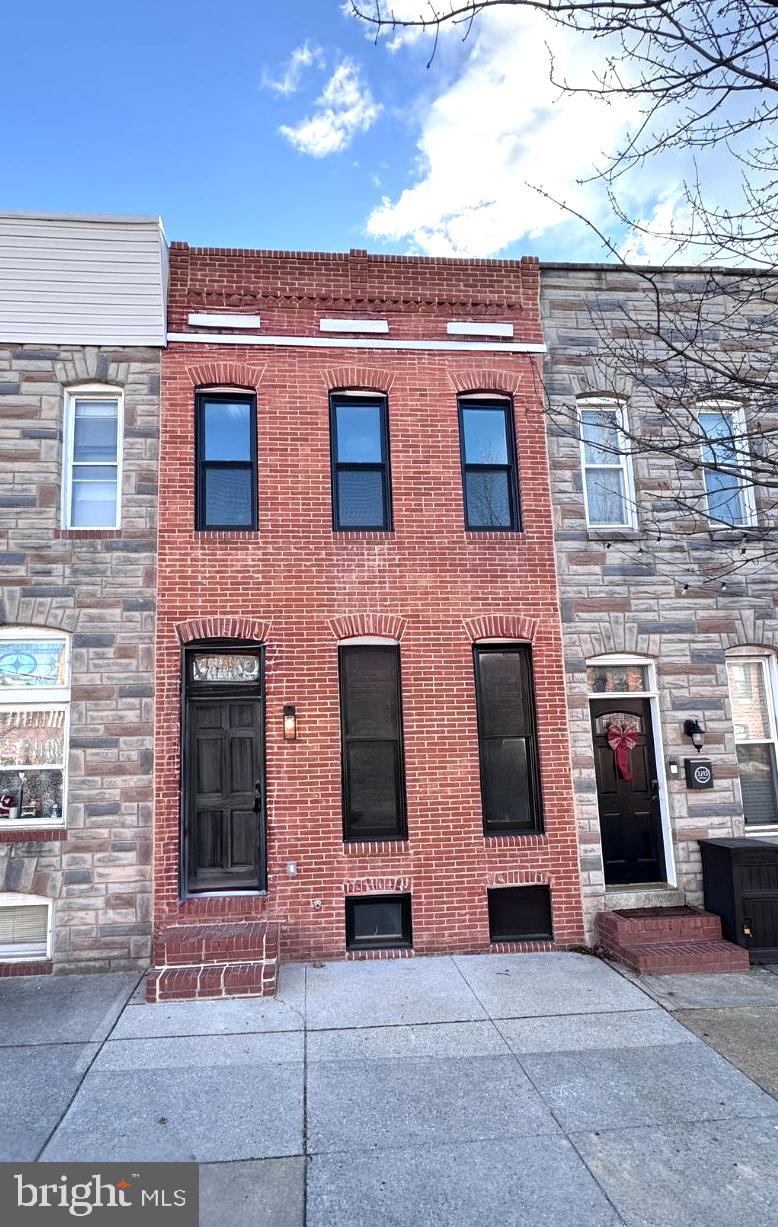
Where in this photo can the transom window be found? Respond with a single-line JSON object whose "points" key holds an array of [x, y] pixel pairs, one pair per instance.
{"points": [[91, 486], [489, 469], [617, 679], [607, 475], [226, 450], [34, 708], [752, 695], [728, 497], [359, 433]]}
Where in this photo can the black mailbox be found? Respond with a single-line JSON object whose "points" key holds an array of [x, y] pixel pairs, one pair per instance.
{"points": [[740, 879], [699, 773]]}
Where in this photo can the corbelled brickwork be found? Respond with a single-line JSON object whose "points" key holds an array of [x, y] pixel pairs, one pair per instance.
{"points": [[300, 588], [99, 588], [623, 592]]}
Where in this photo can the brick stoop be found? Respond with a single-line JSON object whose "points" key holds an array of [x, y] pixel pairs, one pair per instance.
{"points": [[229, 959], [667, 940]]}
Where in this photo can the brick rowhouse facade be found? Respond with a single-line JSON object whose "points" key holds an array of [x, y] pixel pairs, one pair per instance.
{"points": [[300, 588]]}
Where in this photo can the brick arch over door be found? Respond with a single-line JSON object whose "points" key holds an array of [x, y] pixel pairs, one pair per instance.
{"points": [[350, 626], [358, 378], [221, 626], [229, 374], [501, 626]]}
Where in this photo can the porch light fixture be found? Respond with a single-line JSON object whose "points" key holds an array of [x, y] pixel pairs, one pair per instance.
{"points": [[290, 722], [693, 729]]}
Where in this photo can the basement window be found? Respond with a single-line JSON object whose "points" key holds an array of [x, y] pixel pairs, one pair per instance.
{"points": [[378, 922], [520, 914], [24, 927]]}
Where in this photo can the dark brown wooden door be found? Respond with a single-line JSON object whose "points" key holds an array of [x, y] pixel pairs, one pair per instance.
{"points": [[224, 807], [630, 820]]}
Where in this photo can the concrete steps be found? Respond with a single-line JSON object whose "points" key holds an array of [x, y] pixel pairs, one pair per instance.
{"points": [[662, 941], [217, 959]]}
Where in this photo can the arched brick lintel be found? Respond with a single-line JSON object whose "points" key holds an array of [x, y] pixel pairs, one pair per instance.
{"points": [[220, 626], [507, 382], [230, 374], [392, 626], [358, 377], [501, 626]]}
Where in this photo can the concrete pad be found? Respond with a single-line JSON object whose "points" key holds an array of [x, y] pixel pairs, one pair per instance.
{"points": [[218, 1017], [37, 1084], [62, 1009], [747, 1037], [386, 993], [578, 1032], [702, 992], [648, 1086], [694, 1175], [526, 985], [358, 1105], [203, 1099], [480, 1185], [262, 1192], [478, 1039]]}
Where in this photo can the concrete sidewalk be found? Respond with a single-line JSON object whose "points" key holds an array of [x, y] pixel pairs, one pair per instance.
{"points": [[530, 1089]]}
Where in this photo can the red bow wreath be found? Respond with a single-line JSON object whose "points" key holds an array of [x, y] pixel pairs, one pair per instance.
{"points": [[622, 740]]}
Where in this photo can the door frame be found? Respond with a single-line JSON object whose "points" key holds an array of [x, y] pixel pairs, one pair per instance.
{"points": [[652, 695], [184, 790]]}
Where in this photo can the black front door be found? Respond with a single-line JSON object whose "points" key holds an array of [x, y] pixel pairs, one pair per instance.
{"points": [[223, 828], [630, 820]]}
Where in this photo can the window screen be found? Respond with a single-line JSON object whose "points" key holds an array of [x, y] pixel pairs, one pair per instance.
{"points": [[226, 462], [520, 913], [371, 727], [510, 777], [360, 463]]}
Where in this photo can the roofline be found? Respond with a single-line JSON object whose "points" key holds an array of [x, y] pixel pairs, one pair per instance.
{"points": [[125, 219], [720, 270]]}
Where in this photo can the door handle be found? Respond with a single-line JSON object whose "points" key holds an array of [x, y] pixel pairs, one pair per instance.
{"points": [[654, 790], [257, 796]]}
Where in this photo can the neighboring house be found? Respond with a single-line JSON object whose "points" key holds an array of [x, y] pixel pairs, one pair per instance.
{"points": [[82, 323], [361, 733], [648, 648]]}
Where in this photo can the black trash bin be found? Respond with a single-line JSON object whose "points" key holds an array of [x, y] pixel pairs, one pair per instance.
{"points": [[740, 879]]}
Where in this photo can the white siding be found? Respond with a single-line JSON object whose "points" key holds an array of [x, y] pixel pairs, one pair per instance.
{"points": [[82, 280]]}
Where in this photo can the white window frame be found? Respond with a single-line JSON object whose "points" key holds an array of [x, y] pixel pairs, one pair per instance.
{"points": [[734, 410], [769, 665], [622, 460], [40, 698], [10, 899], [90, 391]]}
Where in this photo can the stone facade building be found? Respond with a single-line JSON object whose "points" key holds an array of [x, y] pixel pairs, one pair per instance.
{"points": [[650, 641], [82, 323]]}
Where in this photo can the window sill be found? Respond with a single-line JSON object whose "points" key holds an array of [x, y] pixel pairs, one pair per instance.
{"points": [[617, 532], [87, 534], [376, 847], [508, 838], [17, 832], [494, 534]]}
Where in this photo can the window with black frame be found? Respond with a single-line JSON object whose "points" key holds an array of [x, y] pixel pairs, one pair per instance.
{"points": [[372, 747], [359, 433], [489, 470], [507, 740], [226, 458]]}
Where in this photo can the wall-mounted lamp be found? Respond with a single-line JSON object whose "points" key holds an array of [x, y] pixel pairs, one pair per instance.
{"points": [[693, 729], [290, 722]]}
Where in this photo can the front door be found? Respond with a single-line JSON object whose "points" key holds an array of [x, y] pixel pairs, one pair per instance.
{"points": [[627, 790], [223, 829]]}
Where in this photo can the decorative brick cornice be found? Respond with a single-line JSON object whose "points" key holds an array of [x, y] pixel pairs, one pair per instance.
{"points": [[220, 626], [358, 377], [483, 380], [352, 625], [501, 626], [230, 374]]}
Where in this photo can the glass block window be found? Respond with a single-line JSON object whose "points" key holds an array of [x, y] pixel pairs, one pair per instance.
{"points": [[361, 488], [489, 469], [375, 922], [226, 451], [34, 708], [754, 720], [617, 679], [93, 459], [605, 462], [728, 497], [372, 744], [507, 740]]}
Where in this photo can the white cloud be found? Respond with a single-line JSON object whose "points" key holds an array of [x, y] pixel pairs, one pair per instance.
{"points": [[345, 108], [304, 56]]}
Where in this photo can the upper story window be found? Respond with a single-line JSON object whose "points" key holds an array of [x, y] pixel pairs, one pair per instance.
{"points": [[605, 461], [226, 460], [92, 478], [752, 695], [489, 470], [361, 488], [34, 704], [729, 497]]}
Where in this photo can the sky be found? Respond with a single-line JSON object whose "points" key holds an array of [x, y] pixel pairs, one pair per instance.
{"points": [[282, 124]]}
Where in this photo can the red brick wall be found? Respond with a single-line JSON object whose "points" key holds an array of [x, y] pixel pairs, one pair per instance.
{"points": [[300, 588]]}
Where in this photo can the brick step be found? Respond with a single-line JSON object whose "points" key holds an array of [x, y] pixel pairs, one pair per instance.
{"points": [[632, 926], [196, 983], [666, 958], [216, 942]]}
